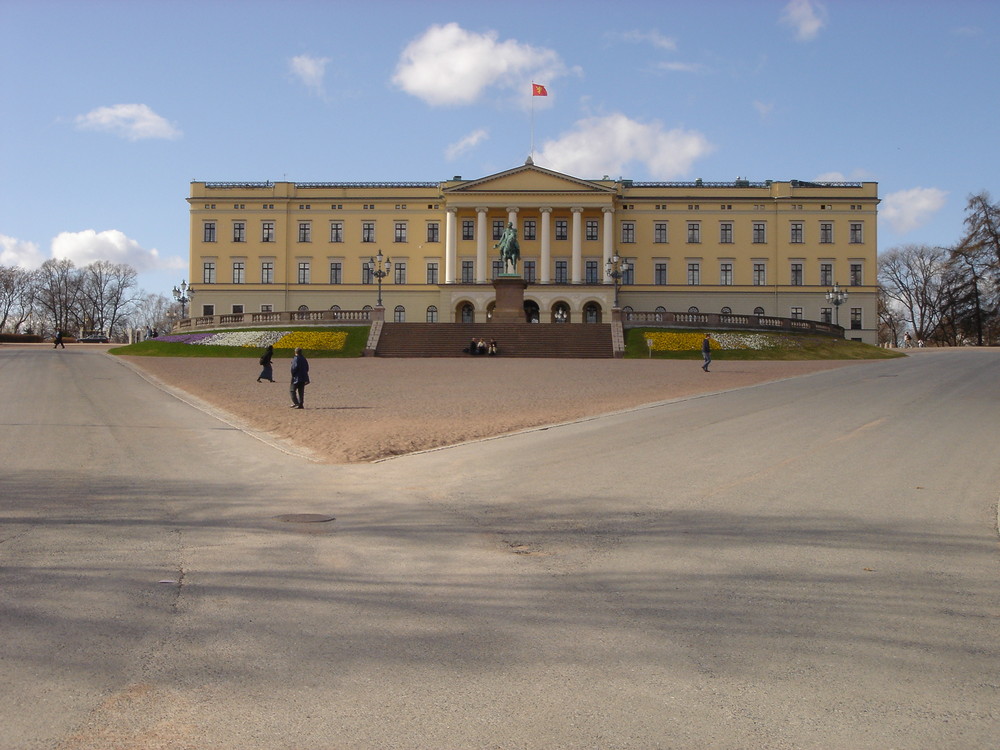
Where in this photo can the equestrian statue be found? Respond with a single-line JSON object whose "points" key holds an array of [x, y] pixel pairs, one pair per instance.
{"points": [[510, 251]]}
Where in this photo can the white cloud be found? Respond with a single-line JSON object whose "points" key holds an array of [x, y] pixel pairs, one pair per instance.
{"points": [[763, 109], [87, 246], [906, 210], [806, 17], [448, 65], [470, 141], [310, 71], [132, 121], [608, 145], [15, 252], [653, 37], [681, 67]]}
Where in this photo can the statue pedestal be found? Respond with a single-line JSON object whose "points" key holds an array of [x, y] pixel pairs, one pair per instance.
{"points": [[509, 306]]}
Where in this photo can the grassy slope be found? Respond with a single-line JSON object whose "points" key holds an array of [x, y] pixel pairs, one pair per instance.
{"points": [[790, 347], [357, 337]]}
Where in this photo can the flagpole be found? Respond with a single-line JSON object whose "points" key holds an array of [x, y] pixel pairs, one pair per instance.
{"points": [[531, 152]]}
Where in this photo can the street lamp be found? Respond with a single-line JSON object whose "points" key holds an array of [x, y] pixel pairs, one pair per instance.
{"points": [[837, 297], [380, 269], [617, 267], [183, 294]]}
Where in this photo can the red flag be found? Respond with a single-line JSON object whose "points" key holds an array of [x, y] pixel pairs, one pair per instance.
{"points": [[538, 89]]}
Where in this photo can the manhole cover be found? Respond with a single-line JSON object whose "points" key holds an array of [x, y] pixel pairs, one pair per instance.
{"points": [[304, 518]]}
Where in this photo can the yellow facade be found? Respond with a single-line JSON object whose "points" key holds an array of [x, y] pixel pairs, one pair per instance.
{"points": [[770, 247]]}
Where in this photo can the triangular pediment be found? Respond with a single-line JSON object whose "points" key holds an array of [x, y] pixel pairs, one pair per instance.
{"points": [[528, 178]]}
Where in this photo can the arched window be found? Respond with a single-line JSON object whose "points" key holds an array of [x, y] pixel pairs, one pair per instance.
{"points": [[591, 313], [432, 314], [334, 307], [399, 314], [692, 309], [303, 308], [660, 311], [560, 313], [727, 311], [366, 308], [468, 313], [758, 311]]}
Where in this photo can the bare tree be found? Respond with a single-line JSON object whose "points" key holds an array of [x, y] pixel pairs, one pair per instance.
{"points": [[912, 278], [59, 295], [17, 297], [152, 311], [107, 290], [973, 275]]}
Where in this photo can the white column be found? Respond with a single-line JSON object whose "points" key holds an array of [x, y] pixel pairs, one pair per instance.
{"points": [[450, 245], [544, 273], [609, 241], [482, 232], [577, 277]]}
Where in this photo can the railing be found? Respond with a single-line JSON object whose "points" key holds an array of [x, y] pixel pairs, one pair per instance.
{"points": [[292, 317], [635, 319]]}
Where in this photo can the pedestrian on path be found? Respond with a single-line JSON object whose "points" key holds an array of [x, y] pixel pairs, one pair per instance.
{"points": [[59, 340], [300, 379], [706, 351], [266, 373]]}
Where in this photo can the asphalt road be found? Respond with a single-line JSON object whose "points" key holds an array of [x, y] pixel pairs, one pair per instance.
{"points": [[805, 564]]}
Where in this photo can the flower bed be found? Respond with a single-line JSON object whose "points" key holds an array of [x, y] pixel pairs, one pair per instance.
{"points": [[315, 340], [670, 341]]}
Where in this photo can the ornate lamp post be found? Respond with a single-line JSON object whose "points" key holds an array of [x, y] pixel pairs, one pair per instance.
{"points": [[183, 294], [616, 269], [837, 297], [380, 269]]}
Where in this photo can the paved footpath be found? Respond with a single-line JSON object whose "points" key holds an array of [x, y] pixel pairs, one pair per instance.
{"points": [[810, 563]]}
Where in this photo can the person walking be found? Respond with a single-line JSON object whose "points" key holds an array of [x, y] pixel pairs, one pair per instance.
{"points": [[300, 379], [59, 341], [266, 373], [706, 351]]}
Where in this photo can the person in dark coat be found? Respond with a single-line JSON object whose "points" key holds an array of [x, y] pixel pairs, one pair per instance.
{"points": [[59, 340], [267, 373], [300, 379], [706, 351]]}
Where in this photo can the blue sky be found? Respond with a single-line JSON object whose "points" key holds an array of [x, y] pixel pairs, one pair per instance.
{"points": [[110, 109]]}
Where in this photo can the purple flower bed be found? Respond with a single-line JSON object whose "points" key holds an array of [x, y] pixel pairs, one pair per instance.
{"points": [[184, 338]]}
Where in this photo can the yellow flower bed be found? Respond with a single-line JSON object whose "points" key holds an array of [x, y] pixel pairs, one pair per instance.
{"points": [[327, 340], [667, 341]]}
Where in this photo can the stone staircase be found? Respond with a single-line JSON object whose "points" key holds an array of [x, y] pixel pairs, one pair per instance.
{"points": [[569, 340]]}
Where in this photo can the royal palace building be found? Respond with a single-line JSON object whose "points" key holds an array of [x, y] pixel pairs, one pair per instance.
{"points": [[771, 248]]}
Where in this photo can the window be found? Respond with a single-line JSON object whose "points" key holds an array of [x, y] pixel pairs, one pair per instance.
{"points": [[239, 271], [267, 231], [399, 232], [759, 233], [825, 233], [267, 308], [591, 229], [432, 272], [237, 309], [759, 274], [208, 272], [399, 272], [660, 232], [529, 271], [239, 231], [857, 233], [758, 311], [562, 229], [433, 231], [660, 274], [856, 278], [498, 227], [592, 276], [694, 232], [628, 232], [826, 274], [336, 231], [530, 229], [468, 272], [399, 314], [562, 276], [336, 272], [826, 314], [305, 231], [208, 309], [628, 273], [303, 272], [726, 232], [468, 229], [726, 311], [796, 274], [855, 318], [209, 235], [796, 313], [468, 313], [693, 310], [368, 231], [367, 272], [796, 236], [432, 314], [267, 272], [726, 274], [694, 274]]}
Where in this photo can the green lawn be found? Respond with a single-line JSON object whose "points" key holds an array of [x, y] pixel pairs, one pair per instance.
{"points": [[357, 337], [774, 346]]}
